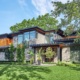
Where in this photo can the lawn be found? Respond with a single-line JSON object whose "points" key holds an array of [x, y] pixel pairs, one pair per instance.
{"points": [[24, 72]]}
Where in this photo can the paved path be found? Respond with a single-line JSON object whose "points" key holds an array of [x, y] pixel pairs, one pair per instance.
{"points": [[45, 65], [48, 64]]}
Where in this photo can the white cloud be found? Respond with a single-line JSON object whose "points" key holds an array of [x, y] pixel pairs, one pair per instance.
{"points": [[44, 6]]}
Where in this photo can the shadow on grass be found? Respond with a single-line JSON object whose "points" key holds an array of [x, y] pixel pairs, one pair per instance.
{"points": [[3, 69], [23, 72], [75, 68]]}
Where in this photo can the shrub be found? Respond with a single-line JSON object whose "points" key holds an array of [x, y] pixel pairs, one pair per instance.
{"points": [[49, 53], [66, 64]]}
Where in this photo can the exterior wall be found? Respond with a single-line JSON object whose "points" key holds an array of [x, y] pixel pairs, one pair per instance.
{"points": [[75, 53], [40, 39], [66, 54], [57, 36], [5, 42], [2, 56], [56, 58]]}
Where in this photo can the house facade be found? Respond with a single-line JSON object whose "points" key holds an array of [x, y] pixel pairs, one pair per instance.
{"points": [[36, 38]]}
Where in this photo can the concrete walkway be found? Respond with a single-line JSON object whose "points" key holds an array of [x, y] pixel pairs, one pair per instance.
{"points": [[47, 64], [44, 65]]}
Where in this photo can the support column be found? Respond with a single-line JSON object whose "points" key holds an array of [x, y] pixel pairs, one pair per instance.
{"points": [[35, 55], [58, 53]]}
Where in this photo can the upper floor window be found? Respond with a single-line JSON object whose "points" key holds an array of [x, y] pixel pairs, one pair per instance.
{"points": [[20, 39], [15, 41], [50, 37], [26, 36], [33, 34]]}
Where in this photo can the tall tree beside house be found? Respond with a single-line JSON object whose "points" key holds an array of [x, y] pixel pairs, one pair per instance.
{"points": [[18, 50], [49, 53], [21, 54], [7, 55], [70, 12], [46, 22], [11, 52]]}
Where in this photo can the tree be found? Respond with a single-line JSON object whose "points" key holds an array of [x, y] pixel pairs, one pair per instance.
{"points": [[41, 54], [49, 53], [46, 22], [32, 56], [18, 50], [71, 15], [11, 52], [23, 54]]}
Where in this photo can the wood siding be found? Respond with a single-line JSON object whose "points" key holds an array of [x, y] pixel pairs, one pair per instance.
{"points": [[5, 42]]}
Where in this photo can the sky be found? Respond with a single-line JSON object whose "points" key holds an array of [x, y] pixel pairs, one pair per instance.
{"points": [[14, 11]]}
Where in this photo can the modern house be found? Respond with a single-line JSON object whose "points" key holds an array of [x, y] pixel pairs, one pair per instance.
{"points": [[36, 38]]}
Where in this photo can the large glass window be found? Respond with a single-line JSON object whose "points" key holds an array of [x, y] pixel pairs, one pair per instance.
{"points": [[47, 38], [26, 36], [20, 39], [33, 34], [50, 38], [26, 39], [15, 41]]}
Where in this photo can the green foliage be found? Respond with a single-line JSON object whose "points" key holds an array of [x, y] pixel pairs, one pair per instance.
{"points": [[49, 53], [71, 15], [46, 22], [32, 57], [40, 53], [66, 64], [31, 60], [18, 50], [11, 52], [7, 54], [31, 53], [21, 72], [21, 54]]}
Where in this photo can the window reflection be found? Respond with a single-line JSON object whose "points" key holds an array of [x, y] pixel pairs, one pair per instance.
{"points": [[50, 37], [26, 39], [32, 35], [26, 36], [20, 39]]}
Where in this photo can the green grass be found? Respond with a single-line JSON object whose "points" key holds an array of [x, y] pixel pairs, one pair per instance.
{"points": [[24, 72]]}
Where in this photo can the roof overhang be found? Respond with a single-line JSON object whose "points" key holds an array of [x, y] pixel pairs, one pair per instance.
{"points": [[44, 45], [4, 47]]}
